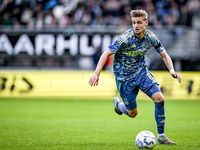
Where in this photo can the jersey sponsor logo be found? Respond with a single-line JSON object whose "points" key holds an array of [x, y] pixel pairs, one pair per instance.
{"points": [[136, 53]]}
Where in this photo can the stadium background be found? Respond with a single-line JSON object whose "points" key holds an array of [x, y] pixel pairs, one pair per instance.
{"points": [[48, 51], [52, 46]]}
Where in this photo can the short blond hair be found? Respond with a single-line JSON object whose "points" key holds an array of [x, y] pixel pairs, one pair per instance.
{"points": [[139, 13]]}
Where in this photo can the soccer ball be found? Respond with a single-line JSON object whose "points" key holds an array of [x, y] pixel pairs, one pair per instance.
{"points": [[145, 139]]}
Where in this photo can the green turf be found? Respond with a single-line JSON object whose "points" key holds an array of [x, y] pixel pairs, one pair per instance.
{"points": [[92, 125]]}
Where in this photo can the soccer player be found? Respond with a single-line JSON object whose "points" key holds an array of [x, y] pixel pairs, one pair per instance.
{"points": [[131, 71]]}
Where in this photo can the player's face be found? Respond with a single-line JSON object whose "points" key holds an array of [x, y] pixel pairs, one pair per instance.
{"points": [[139, 26]]}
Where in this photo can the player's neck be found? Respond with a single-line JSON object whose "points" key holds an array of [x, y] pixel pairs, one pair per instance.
{"points": [[141, 35]]}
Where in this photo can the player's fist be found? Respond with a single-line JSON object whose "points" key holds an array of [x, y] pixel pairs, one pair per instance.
{"points": [[177, 76]]}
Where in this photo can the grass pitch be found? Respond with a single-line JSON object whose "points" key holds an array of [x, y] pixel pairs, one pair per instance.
{"points": [[92, 125]]}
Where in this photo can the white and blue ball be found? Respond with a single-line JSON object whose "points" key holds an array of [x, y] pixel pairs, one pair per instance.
{"points": [[145, 139]]}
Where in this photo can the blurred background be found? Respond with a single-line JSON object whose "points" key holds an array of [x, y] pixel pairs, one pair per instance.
{"points": [[72, 34]]}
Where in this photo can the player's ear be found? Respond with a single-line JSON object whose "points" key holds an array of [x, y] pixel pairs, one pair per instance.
{"points": [[146, 23]]}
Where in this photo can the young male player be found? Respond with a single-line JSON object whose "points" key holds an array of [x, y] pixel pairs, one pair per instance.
{"points": [[131, 71]]}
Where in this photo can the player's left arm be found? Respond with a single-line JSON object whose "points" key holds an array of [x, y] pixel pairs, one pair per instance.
{"points": [[168, 62]]}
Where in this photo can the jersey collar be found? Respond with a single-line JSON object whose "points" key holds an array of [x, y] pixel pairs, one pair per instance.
{"points": [[138, 39]]}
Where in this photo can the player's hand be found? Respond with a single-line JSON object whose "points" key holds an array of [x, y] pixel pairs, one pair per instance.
{"points": [[94, 80], [177, 76]]}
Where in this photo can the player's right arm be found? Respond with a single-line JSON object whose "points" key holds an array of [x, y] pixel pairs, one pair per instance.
{"points": [[94, 80]]}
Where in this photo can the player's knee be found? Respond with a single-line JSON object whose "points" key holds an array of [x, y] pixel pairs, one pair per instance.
{"points": [[159, 99], [133, 114]]}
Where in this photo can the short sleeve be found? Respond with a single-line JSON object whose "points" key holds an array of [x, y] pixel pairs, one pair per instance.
{"points": [[156, 42], [116, 45], [120, 42], [159, 48]]}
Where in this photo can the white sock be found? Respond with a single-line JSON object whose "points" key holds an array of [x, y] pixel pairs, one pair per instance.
{"points": [[163, 134]]}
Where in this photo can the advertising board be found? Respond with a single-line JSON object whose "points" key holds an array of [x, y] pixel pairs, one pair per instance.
{"points": [[74, 85]]}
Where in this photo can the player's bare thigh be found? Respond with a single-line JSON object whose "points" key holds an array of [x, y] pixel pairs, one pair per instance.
{"points": [[157, 97], [133, 113]]}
